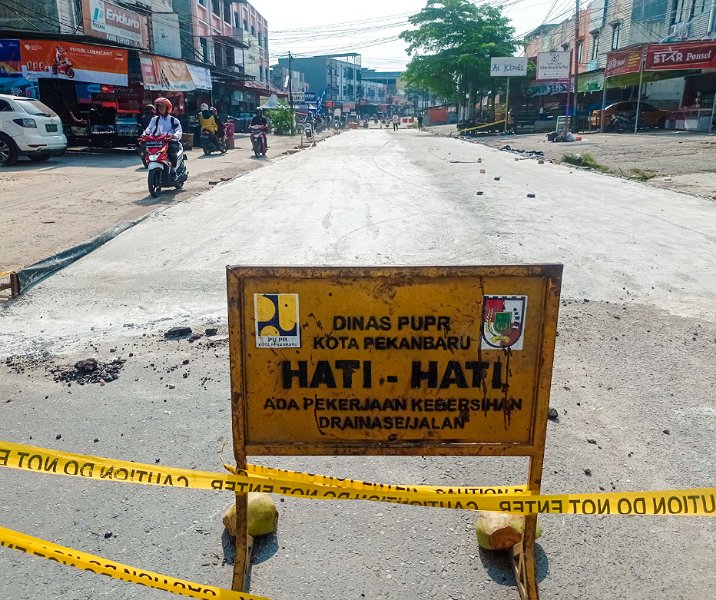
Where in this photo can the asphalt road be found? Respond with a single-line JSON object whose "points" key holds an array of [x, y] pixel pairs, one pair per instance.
{"points": [[633, 372]]}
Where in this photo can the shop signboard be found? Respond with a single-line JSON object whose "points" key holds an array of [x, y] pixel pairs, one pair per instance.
{"points": [[165, 74], [591, 82], [71, 61], [111, 22], [310, 96], [678, 57], [621, 63], [508, 66], [11, 78], [546, 88], [553, 65], [10, 58]]}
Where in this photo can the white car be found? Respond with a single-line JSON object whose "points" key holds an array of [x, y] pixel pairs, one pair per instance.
{"points": [[29, 127]]}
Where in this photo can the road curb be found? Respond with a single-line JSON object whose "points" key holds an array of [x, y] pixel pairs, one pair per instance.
{"points": [[29, 276]]}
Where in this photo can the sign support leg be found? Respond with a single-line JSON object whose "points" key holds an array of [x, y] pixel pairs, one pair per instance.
{"points": [[524, 564], [244, 542]]}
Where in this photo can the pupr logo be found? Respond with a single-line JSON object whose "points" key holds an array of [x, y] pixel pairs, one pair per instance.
{"points": [[277, 321]]}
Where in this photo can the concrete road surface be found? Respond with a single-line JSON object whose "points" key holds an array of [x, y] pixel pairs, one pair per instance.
{"points": [[633, 381]]}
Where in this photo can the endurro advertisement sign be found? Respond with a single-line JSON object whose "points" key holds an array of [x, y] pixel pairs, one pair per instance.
{"points": [[79, 62], [508, 66], [621, 63], [686, 55], [553, 65], [111, 22]]}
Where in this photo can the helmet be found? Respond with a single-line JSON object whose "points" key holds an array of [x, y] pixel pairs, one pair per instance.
{"points": [[204, 106], [213, 109], [259, 111], [148, 108], [165, 102]]}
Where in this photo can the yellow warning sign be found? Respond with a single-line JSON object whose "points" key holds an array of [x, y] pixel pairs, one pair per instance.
{"points": [[394, 356]]}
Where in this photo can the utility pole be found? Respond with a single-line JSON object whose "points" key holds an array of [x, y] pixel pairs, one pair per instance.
{"points": [[290, 91], [575, 121]]}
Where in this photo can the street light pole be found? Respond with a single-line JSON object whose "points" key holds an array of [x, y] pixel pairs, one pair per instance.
{"points": [[575, 122], [290, 91]]}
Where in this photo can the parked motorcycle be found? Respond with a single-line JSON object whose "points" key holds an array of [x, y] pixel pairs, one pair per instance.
{"points": [[156, 155], [210, 142], [621, 122], [259, 141]]}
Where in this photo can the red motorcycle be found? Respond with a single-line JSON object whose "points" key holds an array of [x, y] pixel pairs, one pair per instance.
{"points": [[259, 140], [156, 157]]}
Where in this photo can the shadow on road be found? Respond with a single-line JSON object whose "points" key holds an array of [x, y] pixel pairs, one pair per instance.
{"points": [[167, 196], [498, 565], [265, 546]]}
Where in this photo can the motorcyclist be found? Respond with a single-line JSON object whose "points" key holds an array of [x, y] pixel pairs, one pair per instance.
{"points": [[259, 118], [207, 121], [220, 127], [164, 123], [261, 121]]}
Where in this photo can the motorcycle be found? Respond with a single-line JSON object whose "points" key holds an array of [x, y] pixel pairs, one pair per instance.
{"points": [[259, 141], [210, 142], [156, 155], [308, 130], [622, 122]]}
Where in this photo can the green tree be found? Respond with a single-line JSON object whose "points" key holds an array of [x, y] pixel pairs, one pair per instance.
{"points": [[450, 48]]}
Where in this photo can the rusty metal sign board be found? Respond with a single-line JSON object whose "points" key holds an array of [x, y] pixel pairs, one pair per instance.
{"points": [[424, 360]]}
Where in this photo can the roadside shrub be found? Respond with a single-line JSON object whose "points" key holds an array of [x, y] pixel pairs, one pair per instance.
{"points": [[281, 120], [584, 160]]}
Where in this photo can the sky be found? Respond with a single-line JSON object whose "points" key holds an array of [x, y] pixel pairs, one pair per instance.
{"points": [[371, 27]]}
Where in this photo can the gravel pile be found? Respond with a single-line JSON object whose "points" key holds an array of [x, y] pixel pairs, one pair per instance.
{"points": [[89, 370]]}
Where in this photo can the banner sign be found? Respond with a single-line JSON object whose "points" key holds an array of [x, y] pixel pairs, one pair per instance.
{"points": [[310, 96], [553, 65], [111, 22], [621, 63], [10, 58], [79, 62], [201, 76], [165, 74], [378, 357], [509, 66], [686, 55]]}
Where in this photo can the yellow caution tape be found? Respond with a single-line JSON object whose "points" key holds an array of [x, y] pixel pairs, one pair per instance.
{"points": [[103, 566], [355, 484], [695, 502]]}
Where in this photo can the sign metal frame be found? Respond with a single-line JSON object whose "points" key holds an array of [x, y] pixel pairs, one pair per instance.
{"points": [[550, 277]]}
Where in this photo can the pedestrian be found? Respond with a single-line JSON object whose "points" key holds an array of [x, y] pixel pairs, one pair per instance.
{"points": [[396, 122], [420, 122]]}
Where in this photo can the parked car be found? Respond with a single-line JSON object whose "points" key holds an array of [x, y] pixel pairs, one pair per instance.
{"points": [[648, 114], [29, 127], [242, 121]]}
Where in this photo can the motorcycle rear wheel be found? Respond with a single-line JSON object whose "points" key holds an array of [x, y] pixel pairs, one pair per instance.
{"points": [[154, 182]]}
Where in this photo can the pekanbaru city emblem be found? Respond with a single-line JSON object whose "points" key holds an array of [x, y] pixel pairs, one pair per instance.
{"points": [[503, 321]]}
